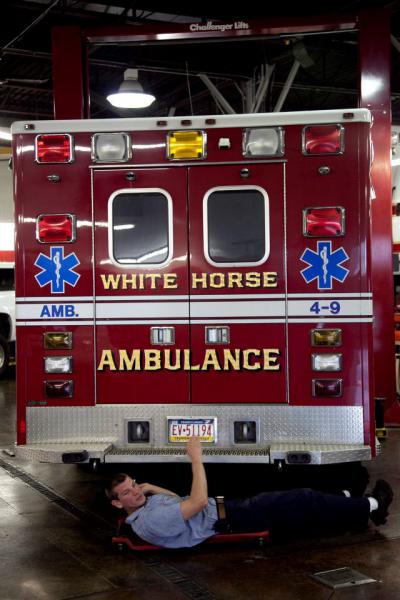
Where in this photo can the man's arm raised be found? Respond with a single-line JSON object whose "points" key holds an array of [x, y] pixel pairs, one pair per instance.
{"points": [[198, 498]]}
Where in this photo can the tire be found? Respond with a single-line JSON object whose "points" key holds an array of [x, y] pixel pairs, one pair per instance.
{"points": [[4, 355]]}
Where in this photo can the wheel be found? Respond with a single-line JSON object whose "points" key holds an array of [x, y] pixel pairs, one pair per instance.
{"points": [[4, 355]]}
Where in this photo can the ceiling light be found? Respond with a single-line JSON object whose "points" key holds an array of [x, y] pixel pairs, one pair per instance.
{"points": [[130, 93]]}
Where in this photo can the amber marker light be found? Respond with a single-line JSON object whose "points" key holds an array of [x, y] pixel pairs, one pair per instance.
{"points": [[186, 144], [326, 337], [57, 340]]}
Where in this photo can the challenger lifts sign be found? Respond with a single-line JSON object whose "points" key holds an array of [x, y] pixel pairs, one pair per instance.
{"points": [[250, 359]]}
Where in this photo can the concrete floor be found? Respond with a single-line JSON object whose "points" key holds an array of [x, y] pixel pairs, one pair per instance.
{"points": [[56, 553]]}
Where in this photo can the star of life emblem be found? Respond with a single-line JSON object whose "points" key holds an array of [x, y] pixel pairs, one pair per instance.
{"points": [[324, 265], [57, 270]]}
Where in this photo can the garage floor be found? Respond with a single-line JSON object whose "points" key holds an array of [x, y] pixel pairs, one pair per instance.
{"points": [[55, 542]]}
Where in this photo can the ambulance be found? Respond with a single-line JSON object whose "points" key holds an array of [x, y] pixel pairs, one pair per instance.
{"points": [[202, 275]]}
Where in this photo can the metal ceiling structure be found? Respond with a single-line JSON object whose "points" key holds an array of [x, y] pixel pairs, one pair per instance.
{"points": [[318, 70]]}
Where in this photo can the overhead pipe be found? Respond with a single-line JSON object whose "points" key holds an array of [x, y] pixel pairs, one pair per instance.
{"points": [[286, 87], [262, 88], [216, 94]]}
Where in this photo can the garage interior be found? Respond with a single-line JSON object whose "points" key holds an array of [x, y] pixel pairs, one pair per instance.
{"points": [[56, 523]]}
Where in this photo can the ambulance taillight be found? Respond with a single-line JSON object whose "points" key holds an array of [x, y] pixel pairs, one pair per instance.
{"points": [[323, 139], [55, 228], [54, 148], [323, 222]]}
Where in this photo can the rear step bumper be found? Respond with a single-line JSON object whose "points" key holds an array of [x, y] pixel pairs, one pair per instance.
{"points": [[300, 454]]}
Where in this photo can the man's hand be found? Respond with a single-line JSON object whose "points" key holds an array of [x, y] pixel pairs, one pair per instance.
{"points": [[193, 449], [149, 489]]}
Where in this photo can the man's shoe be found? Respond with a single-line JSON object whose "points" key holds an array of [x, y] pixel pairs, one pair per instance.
{"points": [[383, 493]]}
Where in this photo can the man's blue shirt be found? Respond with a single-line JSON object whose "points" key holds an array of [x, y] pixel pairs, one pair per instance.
{"points": [[160, 522]]}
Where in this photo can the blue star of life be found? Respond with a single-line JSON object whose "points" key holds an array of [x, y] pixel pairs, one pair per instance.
{"points": [[57, 269], [324, 265]]}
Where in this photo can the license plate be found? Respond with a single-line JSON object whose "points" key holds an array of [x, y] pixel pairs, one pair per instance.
{"points": [[182, 429]]}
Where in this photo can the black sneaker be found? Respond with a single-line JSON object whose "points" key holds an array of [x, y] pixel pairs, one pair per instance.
{"points": [[383, 493]]}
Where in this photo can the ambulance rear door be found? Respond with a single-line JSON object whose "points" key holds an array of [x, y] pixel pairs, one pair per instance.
{"points": [[237, 283], [141, 273]]}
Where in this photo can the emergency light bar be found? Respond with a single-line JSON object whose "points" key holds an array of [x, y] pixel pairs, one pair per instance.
{"points": [[55, 228], [323, 139], [323, 222], [54, 148]]}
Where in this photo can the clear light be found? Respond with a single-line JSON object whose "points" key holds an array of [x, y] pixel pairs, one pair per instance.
{"points": [[326, 362], [58, 364], [130, 93], [326, 337], [323, 222], [111, 147], [260, 141], [55, 228]]}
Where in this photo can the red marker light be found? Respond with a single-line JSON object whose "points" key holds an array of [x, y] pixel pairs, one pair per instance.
{"points": [[55, 228], [59, 389], [323, 222], [323, 139], [53, 148], [327, 388]]}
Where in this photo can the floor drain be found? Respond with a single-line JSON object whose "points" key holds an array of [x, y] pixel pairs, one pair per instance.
{"points": [[341, 578]]}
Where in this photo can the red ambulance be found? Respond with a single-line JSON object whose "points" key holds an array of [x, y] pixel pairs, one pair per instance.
{"points": [[206, 275]]}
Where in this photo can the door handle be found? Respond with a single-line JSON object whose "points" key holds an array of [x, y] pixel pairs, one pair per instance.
{"points": [[162, 336], [217, 335]]}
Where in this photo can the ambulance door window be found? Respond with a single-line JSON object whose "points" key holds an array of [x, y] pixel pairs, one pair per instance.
{"points": [[236, 228], [140, 227]]}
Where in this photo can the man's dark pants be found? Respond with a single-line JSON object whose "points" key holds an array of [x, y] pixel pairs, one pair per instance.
{"points": [[298, 511]]}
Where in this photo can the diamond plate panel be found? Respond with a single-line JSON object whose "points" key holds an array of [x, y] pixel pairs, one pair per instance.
{"points": [[278, 424]]}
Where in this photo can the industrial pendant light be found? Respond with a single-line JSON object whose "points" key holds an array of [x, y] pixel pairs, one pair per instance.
{"points": [[130, 93]]}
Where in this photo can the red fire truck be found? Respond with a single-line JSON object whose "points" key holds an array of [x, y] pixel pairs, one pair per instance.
{"points": [[206, 276]]}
